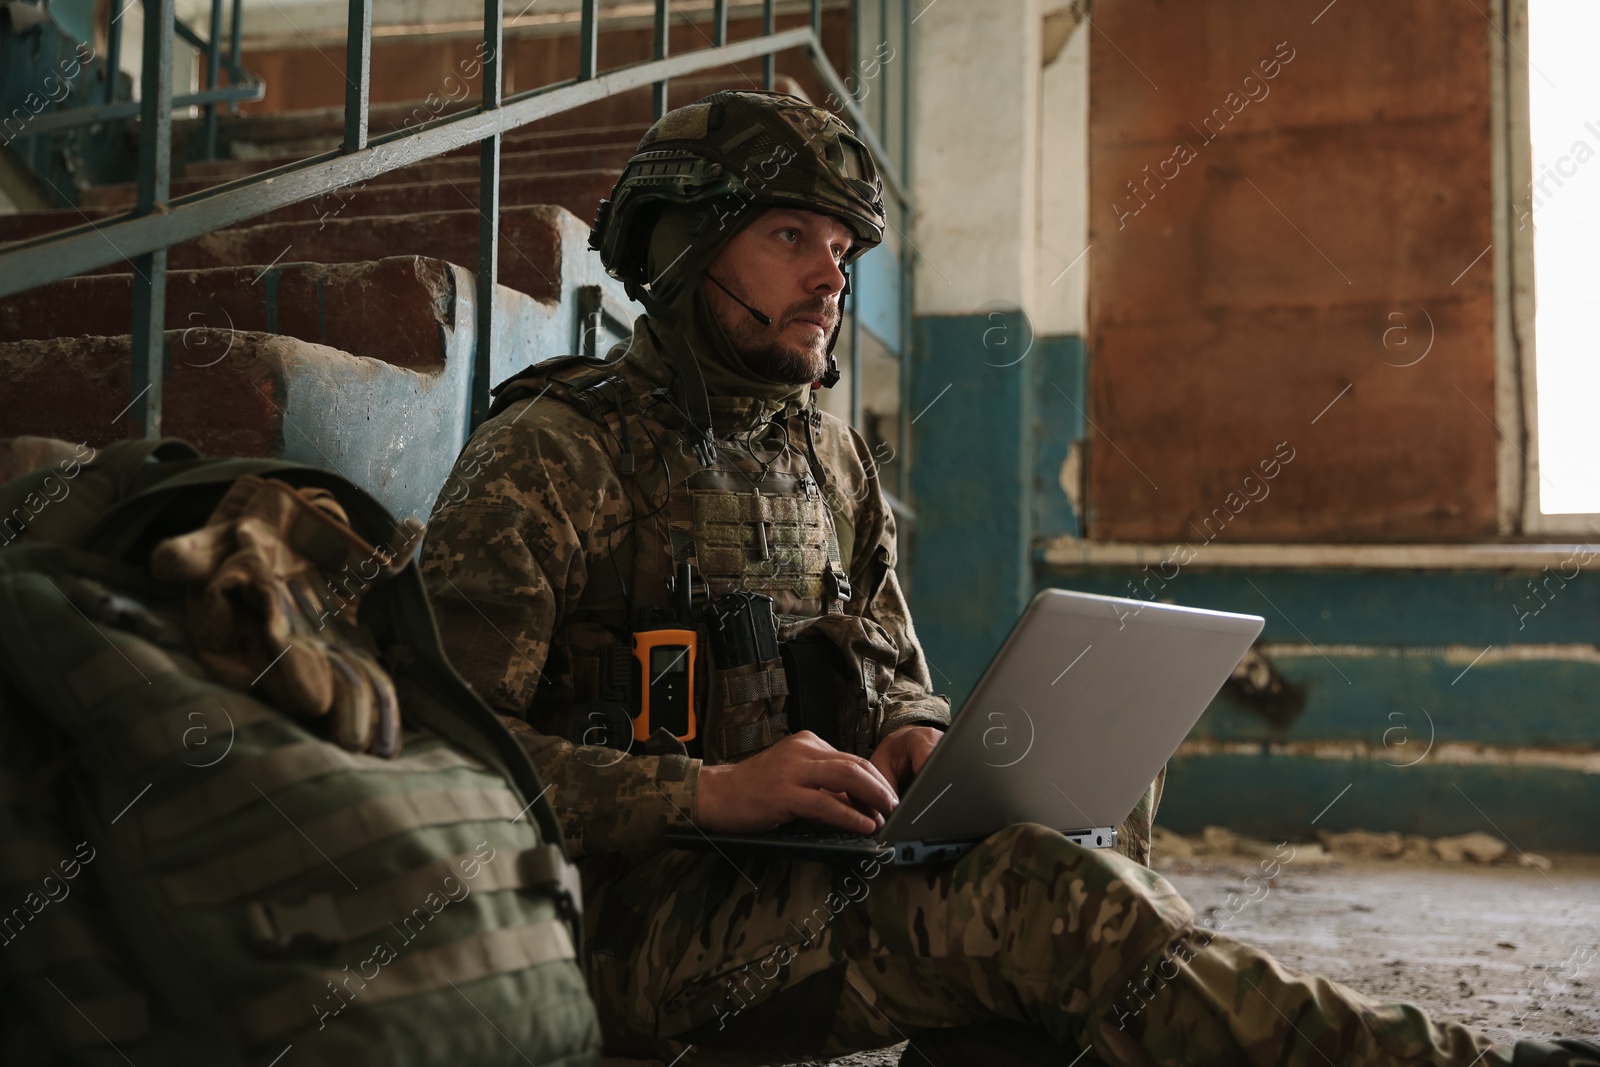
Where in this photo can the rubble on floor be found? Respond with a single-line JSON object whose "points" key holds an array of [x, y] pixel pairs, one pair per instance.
{"points": [[1216, 841]]}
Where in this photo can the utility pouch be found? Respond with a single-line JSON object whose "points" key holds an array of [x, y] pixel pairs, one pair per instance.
{"points": [[748, 686], [840, 670], [742, 629], [817, 678]]}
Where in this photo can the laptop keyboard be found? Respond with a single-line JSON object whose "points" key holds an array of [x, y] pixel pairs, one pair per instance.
{"points": [[820, 837]]}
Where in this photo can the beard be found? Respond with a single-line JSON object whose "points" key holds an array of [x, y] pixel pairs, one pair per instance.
{"points": [[763, 349]]}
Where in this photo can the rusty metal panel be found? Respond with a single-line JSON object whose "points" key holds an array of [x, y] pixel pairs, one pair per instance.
{"points": [[1289, 207]]}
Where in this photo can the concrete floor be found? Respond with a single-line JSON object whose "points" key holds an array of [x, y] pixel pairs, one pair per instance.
{"points": [[1512, 951], [1509, 950]]}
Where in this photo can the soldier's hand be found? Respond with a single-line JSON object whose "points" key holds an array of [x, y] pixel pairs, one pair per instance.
{"points": [[800, 777], [900, 756]]}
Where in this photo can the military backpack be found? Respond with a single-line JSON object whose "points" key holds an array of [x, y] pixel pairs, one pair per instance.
{"points": [[189, 875]]}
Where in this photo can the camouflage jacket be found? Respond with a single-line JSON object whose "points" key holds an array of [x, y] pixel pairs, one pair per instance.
{"points": [[555, 520]]}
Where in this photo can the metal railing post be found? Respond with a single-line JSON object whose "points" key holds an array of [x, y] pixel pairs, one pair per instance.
{"points": [[854, 73], [658, 92], [213, 66], [769, 26], [907, 263], [857, 373], [235, 28], [488, 216], [719, 23], [589, 41], [113, 50], [148, 346], [357, 75], [883, 94]]}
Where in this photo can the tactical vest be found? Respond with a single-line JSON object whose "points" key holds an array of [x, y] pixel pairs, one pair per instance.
{"points": [[758, 519]]}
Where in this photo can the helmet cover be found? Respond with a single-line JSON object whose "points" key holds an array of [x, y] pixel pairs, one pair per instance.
{"points": [[729, 152]]}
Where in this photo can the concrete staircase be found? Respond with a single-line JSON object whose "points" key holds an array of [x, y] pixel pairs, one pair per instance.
{"points": [[337, 332]]}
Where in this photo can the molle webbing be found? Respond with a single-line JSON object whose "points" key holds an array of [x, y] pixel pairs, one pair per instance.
{"points": [[411, 972], [777, 541], [161, 736], [300, 849], [751, 714], [750, 738], [274, 926], [248, 781], [122, 664], [761, 685]]}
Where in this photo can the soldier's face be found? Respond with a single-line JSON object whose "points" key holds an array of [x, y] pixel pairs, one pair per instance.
{"points": [[785, 264]]}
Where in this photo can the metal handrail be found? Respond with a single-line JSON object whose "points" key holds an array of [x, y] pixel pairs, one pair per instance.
{"points": [[203, 44], [245, 86], [864, 130], [97, 244], [89, 114], [157, 222]]}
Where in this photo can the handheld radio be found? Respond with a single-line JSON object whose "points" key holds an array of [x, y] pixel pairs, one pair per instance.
{"points": [[664, 670], [664, 662]]}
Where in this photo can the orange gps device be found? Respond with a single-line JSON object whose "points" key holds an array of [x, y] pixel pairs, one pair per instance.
{"points": [[664, 661]]}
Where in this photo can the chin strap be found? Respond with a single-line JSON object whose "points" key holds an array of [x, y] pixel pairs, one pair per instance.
{"points": [[830, 377]]}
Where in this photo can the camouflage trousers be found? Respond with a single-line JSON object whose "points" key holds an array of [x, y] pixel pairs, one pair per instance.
{"points": [[775, 960]]}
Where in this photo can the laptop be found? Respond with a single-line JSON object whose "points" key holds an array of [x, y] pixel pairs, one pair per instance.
{"points": [[1085, 700]]}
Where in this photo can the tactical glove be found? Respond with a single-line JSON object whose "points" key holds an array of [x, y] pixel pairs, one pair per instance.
{"points": [[264, 608]]}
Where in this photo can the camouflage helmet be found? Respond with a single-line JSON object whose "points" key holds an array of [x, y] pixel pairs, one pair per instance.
{"points": [[729, 151]]}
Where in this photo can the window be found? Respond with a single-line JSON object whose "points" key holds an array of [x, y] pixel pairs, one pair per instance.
{"points": [[1556, 207]]}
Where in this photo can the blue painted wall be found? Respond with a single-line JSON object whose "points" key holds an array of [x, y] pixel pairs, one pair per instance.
{"points": [[876, 283], [1398, 607], [1280, 798], [993, 420], [973, 462], [1059, 385]]}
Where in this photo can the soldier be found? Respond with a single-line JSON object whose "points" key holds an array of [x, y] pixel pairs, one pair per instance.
{"points": [[605, 504]]}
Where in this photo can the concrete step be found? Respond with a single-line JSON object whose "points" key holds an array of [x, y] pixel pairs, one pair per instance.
{"points": [[25, 225], [533, 238], [535, 241], [271, 396], [580, 192], [394, 424], [390, 310], [461, 163]]}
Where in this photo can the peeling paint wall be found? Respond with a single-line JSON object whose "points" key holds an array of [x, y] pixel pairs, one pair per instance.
{"points": [[1276, 201]]}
